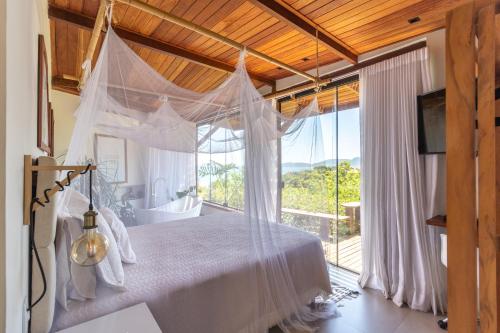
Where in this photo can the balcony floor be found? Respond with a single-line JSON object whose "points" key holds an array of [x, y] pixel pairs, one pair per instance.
{"points": [[349, 253]]}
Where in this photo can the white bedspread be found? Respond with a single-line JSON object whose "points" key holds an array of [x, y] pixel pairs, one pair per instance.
{"points": [[193, 274]]}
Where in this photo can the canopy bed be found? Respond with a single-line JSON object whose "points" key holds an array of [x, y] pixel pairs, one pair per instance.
{"points": [[193, 274], [235, 272]]}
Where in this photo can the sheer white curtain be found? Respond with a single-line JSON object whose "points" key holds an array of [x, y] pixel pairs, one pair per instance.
{"points": [[126, 98], [168, 172], [399, 188]]}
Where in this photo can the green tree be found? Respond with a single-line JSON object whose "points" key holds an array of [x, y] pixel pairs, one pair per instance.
{"points": [[312, 190], [226, 187]]}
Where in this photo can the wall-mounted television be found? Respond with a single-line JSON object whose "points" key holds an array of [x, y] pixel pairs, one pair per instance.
{"points": [[432, 123]]}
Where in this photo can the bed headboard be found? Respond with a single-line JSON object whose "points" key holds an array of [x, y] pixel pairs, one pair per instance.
{"points": [[45, 231]]}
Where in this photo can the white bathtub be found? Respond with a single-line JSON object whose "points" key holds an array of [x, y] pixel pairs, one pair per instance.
{"points": [[183, 208]]}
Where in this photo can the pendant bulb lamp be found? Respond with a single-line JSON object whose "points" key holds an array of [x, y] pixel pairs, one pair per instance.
{"points": [[92, 246]]}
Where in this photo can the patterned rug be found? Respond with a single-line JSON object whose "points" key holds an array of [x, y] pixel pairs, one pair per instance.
{"points": [[344, 284], [341, 292]]}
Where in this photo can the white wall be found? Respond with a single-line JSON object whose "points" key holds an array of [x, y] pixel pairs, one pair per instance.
{"points": [[3, 107], [22, 21], [64, 106]]}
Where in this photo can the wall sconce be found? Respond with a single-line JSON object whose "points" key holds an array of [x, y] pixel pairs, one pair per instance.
{"points": [[88, 249]]}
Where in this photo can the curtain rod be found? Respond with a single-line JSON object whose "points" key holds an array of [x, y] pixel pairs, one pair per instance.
{"points": [[327, 78]]}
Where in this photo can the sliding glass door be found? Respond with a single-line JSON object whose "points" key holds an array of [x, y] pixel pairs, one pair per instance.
{"points": [[320, 172]]}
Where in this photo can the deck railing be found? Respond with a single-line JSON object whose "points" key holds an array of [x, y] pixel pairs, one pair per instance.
{"points": [[341, 241]]}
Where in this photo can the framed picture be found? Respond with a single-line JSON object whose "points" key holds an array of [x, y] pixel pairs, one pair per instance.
{"points": [[43, 108], [111, 157]]}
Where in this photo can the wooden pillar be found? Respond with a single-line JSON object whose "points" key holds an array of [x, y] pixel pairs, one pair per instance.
{"points": [[487, 196], [460, 169], [497, 151]]}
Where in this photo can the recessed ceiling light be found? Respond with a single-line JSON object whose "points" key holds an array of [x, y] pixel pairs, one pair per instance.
{"points": [[414, 20]]}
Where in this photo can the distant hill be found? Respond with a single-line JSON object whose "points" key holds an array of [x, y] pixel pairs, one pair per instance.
{"points": [[356, 162], [299, 166]]}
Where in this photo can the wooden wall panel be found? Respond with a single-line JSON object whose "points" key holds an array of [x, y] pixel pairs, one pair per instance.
{"points": [[487, 227], [497, 51], [497, 139], [460, 169]]}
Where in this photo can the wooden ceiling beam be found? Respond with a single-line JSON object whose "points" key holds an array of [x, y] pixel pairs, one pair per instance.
{"points": [[67, 85], [292, 17], [327, 78], [213, 35], [88, 23]]}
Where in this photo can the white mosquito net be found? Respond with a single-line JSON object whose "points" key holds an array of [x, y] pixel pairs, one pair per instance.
{"points": [[141, 131]]}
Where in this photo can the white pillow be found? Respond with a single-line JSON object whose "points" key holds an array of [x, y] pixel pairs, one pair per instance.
{"points": [[110, 269], [121, 235], [71, 278], [73, 282]]}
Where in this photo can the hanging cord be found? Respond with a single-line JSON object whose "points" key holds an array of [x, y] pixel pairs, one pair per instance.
{"points": [[33, 247], [91, 205], [317, 61]]}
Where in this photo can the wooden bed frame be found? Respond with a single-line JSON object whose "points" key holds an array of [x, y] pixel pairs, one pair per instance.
{"points": [[473, 184]]}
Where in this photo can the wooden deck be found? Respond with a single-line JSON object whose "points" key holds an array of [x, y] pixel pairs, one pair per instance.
{"points": [[349, 253]]}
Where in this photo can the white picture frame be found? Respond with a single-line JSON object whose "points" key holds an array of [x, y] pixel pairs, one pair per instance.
{"points": [[111, 158]]}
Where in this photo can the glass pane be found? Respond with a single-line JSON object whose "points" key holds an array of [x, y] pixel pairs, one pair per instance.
{"points": [[321, 174], [234, 179], [307, 180], [220, 170], [349, 178]]}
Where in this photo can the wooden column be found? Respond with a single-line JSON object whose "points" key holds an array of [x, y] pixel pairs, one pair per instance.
{"points": [[497, 151], [460, 169], [487, 215]]}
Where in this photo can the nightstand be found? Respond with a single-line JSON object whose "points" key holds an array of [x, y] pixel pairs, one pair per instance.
{"points": [[135, 319]]}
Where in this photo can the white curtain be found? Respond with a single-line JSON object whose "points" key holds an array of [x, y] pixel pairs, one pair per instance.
{"points": [[399, 188], [168, 172]]}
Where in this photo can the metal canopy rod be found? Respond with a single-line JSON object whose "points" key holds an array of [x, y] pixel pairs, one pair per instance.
{"points": [[208, 33], [99, 22]]}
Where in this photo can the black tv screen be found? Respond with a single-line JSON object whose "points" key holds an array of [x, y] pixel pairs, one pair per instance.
{"points": [[432, 123]]}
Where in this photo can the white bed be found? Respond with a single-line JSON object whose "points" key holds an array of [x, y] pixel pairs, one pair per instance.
{"points": [[194, 275]]}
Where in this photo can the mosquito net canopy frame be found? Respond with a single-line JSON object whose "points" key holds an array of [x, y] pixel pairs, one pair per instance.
{"points": [[125, 99]]}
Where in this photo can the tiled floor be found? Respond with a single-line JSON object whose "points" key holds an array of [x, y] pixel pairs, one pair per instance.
{"points": [[372, 313]]}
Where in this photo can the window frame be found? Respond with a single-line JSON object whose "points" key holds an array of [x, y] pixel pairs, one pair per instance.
{"points": [[209, 202], [330, 86]]}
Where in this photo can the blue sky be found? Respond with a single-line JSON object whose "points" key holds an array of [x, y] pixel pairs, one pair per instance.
{"points": [[316, 141]]}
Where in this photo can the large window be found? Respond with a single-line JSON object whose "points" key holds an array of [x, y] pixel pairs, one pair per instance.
{"points": [[320, 172], [219, 167]]}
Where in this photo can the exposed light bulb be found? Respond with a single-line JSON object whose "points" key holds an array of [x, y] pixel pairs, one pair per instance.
{"points": [[92, 246]]}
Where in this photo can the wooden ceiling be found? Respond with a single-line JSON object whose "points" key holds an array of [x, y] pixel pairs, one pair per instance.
{"points": [[359, 25]]}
